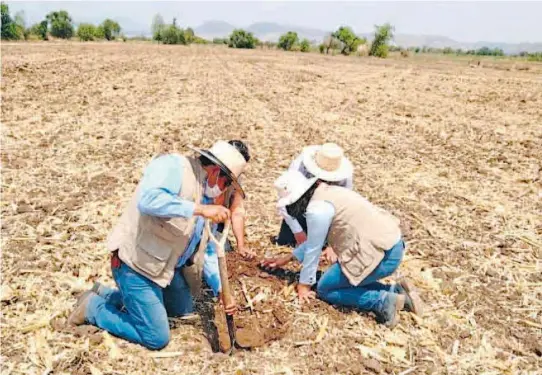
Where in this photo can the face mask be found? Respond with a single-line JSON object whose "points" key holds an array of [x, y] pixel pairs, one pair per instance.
{"points": [[212, 192]]}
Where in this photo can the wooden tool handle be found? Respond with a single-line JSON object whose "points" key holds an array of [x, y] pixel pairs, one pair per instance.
{"points": [[219, 244], [222, 266], [226, 290]]}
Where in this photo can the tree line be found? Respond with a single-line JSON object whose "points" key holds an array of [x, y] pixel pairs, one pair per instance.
{"points": [[57, 24]]}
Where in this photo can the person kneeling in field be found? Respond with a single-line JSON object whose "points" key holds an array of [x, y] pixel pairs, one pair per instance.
{"points": [[329, 163], [159, 248], [366, 238]]}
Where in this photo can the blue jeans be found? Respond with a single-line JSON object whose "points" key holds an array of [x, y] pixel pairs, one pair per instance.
{"points": [[138, 310], [369, 295]]}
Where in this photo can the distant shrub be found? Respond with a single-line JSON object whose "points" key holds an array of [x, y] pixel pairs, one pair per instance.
{"points": [[535, 56], [61, 24], [288, 41], [199, 40], [240, 38], [157, 27], [86, 32], [405, 53], [321, 48], [305, 45], [379, 46], [99, 32], [172, 35], [348, 39], [39, 30], [220, 41], [189, 36], [9, 27], [111, 29]]}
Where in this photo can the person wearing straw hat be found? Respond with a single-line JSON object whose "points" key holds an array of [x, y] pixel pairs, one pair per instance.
{"points": [[328, 162], [366, 238], [159, 249]]}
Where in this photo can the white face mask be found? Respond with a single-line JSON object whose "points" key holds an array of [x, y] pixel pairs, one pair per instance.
{"points": [[212, 192]]}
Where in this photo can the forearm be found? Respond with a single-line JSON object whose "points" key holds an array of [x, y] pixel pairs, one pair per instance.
{"points": [[160, 203], [238, 226]]}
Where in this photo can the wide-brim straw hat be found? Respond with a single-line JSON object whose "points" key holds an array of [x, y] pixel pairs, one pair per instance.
{"points": [[327, 162], [228, 159], [291, 186]]}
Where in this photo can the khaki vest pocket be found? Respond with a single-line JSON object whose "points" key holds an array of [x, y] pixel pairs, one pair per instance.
{"points": [[152, 254], [354, 262]]}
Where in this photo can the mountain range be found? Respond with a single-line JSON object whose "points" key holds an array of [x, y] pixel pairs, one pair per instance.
{"points": [[270, 31]]}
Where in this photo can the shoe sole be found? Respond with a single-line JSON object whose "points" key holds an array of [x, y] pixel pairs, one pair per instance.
{"points": [[75, 317], [417, 304], [399, 305]]}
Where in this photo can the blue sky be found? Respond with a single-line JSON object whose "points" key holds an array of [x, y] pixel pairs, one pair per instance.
{"points": [[512, 21]]}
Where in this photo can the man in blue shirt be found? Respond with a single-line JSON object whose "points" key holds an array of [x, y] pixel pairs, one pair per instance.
{"points": [[159, 245]]}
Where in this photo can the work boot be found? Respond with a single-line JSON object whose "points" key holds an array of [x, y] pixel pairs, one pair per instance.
{"points": [[77, 317], [389, 315], [97, 288], [413, 301]]}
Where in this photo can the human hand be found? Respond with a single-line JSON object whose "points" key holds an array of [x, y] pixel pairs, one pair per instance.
{"points": [[231, 307], [276, 262], [329, 255], [246, 252], [300, 237], [305, 294], [216, 213]]}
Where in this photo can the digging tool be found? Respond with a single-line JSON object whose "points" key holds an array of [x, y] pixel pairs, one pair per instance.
{"points": [[226, 291]]}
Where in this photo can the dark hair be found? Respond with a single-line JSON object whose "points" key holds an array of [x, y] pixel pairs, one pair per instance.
{"points": [[241, 147], [299, 207], [205, 161]]}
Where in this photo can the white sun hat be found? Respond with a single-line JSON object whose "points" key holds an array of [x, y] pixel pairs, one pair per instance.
{"points": [[291, 186], [327, 162], [228, 158]]}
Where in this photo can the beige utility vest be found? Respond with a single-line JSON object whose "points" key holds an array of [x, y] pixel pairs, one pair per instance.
{"points": [[360, 231], [152, 246]]}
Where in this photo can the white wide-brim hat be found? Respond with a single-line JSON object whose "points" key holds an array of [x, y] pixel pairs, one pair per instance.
{"points": [[327, 162], [291, 186], [228, 158]]}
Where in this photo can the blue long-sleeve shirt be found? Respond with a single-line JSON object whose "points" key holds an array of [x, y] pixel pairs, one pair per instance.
{"points": [[319, 216], [160, 185]]}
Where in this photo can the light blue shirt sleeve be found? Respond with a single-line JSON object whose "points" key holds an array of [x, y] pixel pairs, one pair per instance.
{"points": [[160, 185], [211, 272], [319, 217]]}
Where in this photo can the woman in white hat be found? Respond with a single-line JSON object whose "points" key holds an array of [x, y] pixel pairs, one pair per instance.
{"points": [[328, 163], [366, 238]]}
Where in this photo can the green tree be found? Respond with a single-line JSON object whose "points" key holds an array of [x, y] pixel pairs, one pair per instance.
{"points": [[20, 25], [86, 32], [383, 35], [348, 39], [39, 29], [288, 41], [240, 38], [171, 34], [61, 24], [99, 32], [305, 45], [111, 29], [9, 27], [189, 36], [157, 27]]}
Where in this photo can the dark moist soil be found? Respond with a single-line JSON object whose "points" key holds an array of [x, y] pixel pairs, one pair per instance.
{"points": [[268, 320]]}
